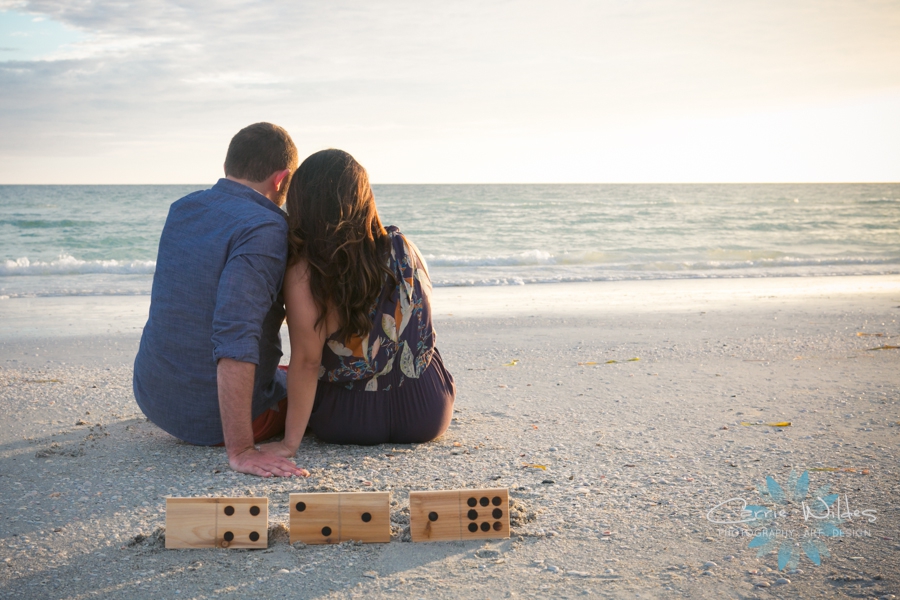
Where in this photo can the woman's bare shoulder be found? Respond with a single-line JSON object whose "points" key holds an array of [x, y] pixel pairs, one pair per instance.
{"points": [[297, 273], [297, 291]]}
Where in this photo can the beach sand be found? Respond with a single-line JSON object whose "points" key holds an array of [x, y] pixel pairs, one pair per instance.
{"points": [[629, 396]]}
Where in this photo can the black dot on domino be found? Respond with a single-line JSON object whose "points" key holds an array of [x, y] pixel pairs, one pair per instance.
{"points": [[301, 506], [229, 510], [473, 527], [472, 502], [432, 516], [254, 536], [254, 510], [485, 501], [498, 525], [485, 526], [366, 517], [497, 513], [228, 536], [496, 501], [473, 514], [326, 531]]}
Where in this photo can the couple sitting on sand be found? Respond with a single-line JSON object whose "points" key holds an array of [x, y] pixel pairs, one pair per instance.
{"points": [[364, 368]]}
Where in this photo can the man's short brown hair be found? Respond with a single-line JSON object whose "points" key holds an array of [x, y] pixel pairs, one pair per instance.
{"points": [[258, 150]]}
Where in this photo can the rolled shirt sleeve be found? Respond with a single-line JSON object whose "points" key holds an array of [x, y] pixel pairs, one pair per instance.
{"points": [[249, 285]]}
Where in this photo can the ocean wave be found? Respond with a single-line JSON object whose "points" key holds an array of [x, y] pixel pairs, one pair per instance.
{"points": [[713, 258], [786, 261], [461, 280], [6, 295], [69, 265], [115, 285], [46, 223], [708, 260], [527, 258], [70, 276]]}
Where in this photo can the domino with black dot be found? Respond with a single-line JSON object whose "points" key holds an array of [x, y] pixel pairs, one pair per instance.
{"points": [[333, 517], [458, 515], [217, 522]]}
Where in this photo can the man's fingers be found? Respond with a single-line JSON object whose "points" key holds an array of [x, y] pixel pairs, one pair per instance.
{"points": [[292, 472], [283, 468], [295, 472], [289, 468]]}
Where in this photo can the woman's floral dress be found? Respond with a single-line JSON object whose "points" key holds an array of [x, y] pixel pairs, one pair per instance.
{"points": [[401, 342]]}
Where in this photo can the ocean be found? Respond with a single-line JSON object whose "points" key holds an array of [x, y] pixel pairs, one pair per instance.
{"points": [[102, 240]]}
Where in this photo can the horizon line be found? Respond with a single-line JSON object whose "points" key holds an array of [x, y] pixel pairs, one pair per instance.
{"points": [[522, 183]]}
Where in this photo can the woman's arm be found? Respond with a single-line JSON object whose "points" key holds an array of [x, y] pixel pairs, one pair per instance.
{"points": [[307, 341]]}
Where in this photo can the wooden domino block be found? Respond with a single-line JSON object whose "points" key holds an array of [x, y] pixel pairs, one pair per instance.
{"points": [[217, 522], [190, 522], [329, 518], [458, 515]]}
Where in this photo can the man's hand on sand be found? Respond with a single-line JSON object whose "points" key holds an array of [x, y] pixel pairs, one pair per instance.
{"points": [[264, 464]]}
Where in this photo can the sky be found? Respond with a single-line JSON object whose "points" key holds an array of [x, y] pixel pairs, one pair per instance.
{"points": [[485, 91]]}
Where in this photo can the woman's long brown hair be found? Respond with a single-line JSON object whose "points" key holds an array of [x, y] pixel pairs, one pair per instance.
{"points": [[334, 226]]}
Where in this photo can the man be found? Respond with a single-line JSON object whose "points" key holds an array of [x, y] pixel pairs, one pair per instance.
{"points": [[206, 371]]}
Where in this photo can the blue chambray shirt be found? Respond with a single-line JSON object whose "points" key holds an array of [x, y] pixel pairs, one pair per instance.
{"points": [[216, 294]]}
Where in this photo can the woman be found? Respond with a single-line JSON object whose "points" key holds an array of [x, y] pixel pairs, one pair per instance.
{"points": [[364, 368]]}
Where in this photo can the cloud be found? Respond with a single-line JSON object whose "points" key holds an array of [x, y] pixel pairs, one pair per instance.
{"points": [[239, 79], [417, 75]]}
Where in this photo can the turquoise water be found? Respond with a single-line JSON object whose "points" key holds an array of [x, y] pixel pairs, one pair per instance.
{"points": [[98, 240]]}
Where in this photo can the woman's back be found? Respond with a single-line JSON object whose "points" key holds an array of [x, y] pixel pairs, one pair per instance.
{"points": [[401, 341]]}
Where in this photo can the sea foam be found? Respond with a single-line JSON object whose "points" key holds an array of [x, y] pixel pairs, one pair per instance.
{"points": [[69, 265]]}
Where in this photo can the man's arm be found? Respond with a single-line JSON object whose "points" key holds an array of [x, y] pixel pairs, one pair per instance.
{"points": [[248, 288], [235, 381]]}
